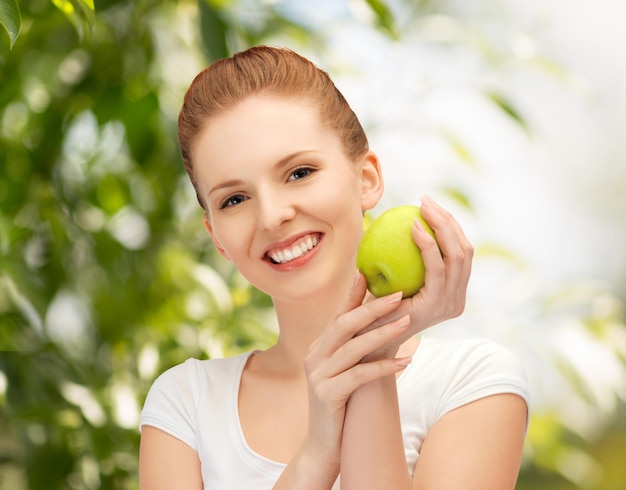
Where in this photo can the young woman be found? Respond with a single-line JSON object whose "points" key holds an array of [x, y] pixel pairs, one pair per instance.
{"points": [[349, 395]]}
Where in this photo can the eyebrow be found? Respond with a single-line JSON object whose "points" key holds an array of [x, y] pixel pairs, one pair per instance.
{"points": [[279, 164]]}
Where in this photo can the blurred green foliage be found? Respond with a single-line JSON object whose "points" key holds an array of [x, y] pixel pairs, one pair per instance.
{"points": [[107, 276]]}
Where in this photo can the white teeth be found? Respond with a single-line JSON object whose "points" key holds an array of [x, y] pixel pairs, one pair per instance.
{"points": [[288, 254]]}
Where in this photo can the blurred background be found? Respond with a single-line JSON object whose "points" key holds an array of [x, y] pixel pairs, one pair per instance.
{"points": [[510, 113]]}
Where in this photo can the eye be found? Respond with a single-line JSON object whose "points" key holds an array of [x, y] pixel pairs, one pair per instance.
{"points": [[301, 173], [233, 200]]}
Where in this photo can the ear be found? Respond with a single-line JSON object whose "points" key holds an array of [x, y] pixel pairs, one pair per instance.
{"points": [[372, 184], [216, 242]]}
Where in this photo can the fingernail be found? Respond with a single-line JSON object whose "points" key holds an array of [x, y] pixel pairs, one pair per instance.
{"points": [[430, 201], [393, 297], [357, 274], [418, 224], [403, 361]]}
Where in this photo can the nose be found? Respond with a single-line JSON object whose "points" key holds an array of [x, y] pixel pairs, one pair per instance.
{"points": [[275, 208]]}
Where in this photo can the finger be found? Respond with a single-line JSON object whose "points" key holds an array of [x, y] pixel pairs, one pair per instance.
{"points": [[352, 322], [369, 297], [450, 236], [348, 381], [353, 351], [359, 318], [353, 299], [447, 229], [355, 295], [457, 253], [431, 254]]}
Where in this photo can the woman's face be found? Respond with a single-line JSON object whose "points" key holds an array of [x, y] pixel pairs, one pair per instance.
{"points": [[284, 203]]}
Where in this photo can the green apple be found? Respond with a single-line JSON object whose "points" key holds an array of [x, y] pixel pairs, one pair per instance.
{"points": [[388, 257]]}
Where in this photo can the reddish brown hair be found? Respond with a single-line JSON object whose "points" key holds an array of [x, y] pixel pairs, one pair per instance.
{"points": [[278, 71]]}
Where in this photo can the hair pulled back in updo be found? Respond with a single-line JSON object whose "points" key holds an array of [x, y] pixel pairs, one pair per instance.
{"points": [[264, 69]]}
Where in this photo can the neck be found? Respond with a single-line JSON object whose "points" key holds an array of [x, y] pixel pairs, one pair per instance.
{"points": [[301, 321]]}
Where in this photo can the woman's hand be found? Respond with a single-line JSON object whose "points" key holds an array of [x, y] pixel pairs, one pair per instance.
{"points": [[334, 370], [448, 263]]}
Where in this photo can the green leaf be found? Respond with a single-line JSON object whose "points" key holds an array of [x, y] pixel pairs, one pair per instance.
{"points": [[11, 19], [81, 13], [497, 251], [384, 16], [458, 196], [508, 108], [459, 147], [213, 31], [88, 11]]}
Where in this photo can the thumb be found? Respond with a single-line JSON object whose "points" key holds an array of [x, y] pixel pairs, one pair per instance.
{"points": [[355, 295]]}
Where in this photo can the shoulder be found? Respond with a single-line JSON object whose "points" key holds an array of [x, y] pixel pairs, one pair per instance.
{"points": [[193, 372], [183, 381], [468, 355], [468, 369], [173, 399]]}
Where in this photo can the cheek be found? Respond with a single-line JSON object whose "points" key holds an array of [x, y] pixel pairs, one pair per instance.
{"points": [[229, 237], [343, 197], [344, 208]]}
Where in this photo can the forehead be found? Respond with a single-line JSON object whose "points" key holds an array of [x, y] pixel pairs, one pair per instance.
{"points": [[262, 128], [261, 113]]}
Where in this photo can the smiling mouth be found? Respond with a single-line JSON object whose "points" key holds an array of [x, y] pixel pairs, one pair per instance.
{"points": [[300, 247]]}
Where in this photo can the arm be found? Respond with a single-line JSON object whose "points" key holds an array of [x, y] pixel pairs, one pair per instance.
{"points": [[307, 472], [167, 463], [334, 372], [372, 453], [476, 447]]}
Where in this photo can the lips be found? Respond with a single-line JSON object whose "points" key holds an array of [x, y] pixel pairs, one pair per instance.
{"points": [[299, 247]]}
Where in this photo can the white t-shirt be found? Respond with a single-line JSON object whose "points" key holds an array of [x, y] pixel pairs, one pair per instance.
{"points": [[196, 402]]}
